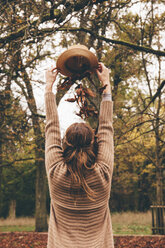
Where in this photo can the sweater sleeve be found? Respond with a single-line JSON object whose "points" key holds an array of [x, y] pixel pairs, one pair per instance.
{"points": [[53, 148], [105, 141]]}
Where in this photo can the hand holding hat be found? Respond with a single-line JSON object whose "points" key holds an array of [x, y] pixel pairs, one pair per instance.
{"points": [[103, 75], [76, 63], [50, 77]]}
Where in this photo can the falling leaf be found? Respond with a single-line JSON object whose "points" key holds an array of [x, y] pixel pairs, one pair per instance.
{"points": [[71, 99], [66, 84], [79, 92], [85, 103], [89, 92], [102, 89], [78, 114]]}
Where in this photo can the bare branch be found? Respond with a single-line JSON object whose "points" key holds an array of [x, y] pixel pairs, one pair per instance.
{"points": [[7, 163], [119, 42], [155, 95]]}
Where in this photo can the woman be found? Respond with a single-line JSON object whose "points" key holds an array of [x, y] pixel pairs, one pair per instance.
{"points": [[79, 179]]}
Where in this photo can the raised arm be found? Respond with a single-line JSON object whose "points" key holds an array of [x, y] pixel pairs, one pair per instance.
{"points": [[105, 132], [53, 149]]}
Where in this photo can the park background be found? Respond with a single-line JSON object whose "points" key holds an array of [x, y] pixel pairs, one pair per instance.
{"points": [[128, 37]]}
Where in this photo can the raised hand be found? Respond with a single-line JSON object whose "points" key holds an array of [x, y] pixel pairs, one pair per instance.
{"points": [[50, 77], [103, 75]]}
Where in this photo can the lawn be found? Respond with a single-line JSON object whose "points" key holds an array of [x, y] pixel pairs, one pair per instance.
{"points": [[25, 224], [130, 223], [130, 230], [123, 223]]}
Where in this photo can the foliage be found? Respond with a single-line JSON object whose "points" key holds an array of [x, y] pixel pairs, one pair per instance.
{"points": [[125, 40]]}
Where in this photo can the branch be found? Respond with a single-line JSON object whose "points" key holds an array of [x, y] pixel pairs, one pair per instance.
{"points": [[133, 127], [155, 95], [5, 164], [130, 140], [119, 42], [56, 15], [21, 32], [108, 40], [141, 134], [141, 150]]}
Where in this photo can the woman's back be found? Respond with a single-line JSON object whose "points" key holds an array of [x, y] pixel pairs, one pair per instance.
{"points": [[80, 222]]}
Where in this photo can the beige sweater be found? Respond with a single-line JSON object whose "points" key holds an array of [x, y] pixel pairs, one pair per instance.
{"points": [[84, 223]]}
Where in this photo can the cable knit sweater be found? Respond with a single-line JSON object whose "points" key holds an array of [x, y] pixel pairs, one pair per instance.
{"points": [[84, 223]]}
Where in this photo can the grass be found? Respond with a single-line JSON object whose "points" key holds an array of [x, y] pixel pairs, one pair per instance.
{"points": [[125, 223], [25, 224], [132, 223]]}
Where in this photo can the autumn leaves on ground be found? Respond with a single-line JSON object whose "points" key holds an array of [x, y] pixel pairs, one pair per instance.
{"points": [[38, 240], [130, 230]]}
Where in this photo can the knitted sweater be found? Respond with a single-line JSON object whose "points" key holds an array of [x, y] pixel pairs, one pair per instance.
{"points": [[84, 223]]}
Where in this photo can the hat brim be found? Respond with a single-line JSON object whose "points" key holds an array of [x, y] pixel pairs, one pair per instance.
{"points": [[76, 61]]}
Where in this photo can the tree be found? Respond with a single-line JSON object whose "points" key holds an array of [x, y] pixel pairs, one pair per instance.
{"points": [[13, 127], [26, 29], [148, 107]]}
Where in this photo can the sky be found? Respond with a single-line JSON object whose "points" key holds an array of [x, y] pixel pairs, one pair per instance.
{"points": [[67, 112]]}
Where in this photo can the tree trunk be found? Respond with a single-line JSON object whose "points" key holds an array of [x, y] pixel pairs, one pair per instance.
{"points": [[159, 187], [158, 155], [0, 178], [12, 209], [41, 182], [159, 172], [41, 189]]}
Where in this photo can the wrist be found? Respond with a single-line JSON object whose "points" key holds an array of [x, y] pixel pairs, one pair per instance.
{"points": [[107, 92], [106, 97]]}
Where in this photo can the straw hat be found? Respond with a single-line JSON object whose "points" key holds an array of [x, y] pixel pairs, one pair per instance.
{"points": [[76, 60]]}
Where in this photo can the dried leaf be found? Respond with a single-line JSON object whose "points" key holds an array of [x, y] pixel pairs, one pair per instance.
{"points": [[78, 114], [91, 109], [65, 85], [89, 92], [71, 99], [79, 92], [85, 103], [79, 99], [32, 239], [102, 89]]}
